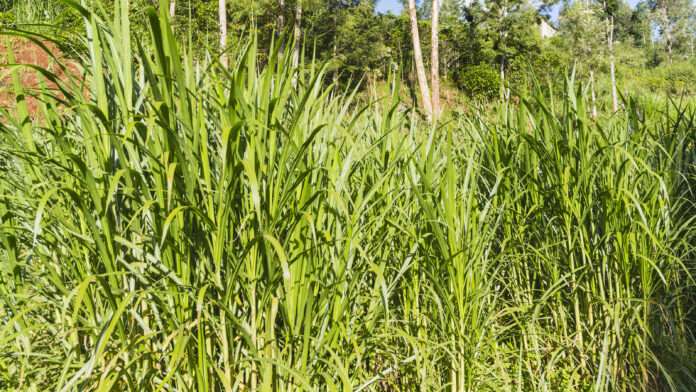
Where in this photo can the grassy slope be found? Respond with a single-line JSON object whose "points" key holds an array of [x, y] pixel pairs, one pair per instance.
{"points": [[194, 228]]}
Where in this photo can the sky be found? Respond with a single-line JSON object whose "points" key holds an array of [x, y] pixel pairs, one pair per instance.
{"points": [[394, 6]]}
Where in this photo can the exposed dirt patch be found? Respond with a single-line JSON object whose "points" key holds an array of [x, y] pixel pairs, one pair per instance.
{"points": [[29, 53]]}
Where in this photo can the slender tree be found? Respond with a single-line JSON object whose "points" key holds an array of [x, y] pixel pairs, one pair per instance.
{"points": [[280, 27], [418, 59], [672, 20], [692, 32], [172, 8], [297, 33], [612, 66], [610, 9], [435, 58], [281, 16], [593, 95], [581, 27], [222, 15]]}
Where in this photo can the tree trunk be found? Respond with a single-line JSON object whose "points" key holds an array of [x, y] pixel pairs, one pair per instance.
{"points": [[504, 90], [612, 67], [592, 94], [435, 58], [667, 31], [281, 28], [297, 34], [172, 8], [502, 35], [418, 59], [281, 17], [502, 73], [334, 52], [222, 15]]}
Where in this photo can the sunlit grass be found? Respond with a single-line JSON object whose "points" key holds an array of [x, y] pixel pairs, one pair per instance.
{"points": [[188, 227]]}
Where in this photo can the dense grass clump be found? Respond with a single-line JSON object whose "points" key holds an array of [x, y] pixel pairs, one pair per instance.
{"points": [[185, 226]]}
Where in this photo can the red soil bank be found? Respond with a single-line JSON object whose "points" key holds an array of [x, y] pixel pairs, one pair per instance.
{"points": [[28, 52]]}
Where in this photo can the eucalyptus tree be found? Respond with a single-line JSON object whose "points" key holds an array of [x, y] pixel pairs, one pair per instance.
{"points": [[692, 33], [610, 9], [297, 33], [222, 20], [435, 57], [418, 60], [281, 15], [672, 19]]}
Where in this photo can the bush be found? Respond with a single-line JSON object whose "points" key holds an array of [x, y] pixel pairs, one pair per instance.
{"points": [[675, 79], [479, 81], [681, 78]]}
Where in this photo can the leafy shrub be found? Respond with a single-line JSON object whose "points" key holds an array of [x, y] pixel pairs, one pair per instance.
{"points": [[678, 78], [681, 77], [479, 81], [6, 19], [547, 66]]}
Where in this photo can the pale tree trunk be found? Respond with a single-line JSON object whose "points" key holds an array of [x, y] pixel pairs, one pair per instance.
{"points": [[669, 35], [281, 16], [502, 74], [592, 94], [435, 58], [502, 34], [281, 28], [334, 52], [418, 59], [222, 14], [505, 90], [612, 67], [667, 32], [297, 34], [172, 8]]}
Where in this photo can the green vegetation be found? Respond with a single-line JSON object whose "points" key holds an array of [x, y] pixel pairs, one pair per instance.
{"points": [[479, 81], [650, 38], [171, 223]]}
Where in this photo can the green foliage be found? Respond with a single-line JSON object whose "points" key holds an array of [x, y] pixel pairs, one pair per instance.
{"points": [[673, 19], [358, 42], [6, 19], [639, 28], [584, 31], [173, 224], [548, 67], [681, 77], [479, 81], [676, 79], [507, 29]]}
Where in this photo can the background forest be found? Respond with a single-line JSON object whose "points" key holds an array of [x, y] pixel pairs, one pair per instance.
{"points": [[482, 45]]}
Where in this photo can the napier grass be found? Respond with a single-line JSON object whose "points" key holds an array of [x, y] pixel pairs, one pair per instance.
{"points": [[167, 224]]}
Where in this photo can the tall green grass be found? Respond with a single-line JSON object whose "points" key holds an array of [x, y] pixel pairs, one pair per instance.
{"points": [[184, 226]]}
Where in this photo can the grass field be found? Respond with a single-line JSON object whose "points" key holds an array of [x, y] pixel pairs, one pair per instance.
{"points": [[177, 225]]}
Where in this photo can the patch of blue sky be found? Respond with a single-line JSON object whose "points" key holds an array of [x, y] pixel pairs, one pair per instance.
{"points": [[396, 6]]}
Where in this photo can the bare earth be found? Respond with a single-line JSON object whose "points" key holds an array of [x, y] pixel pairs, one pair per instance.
{"points": [[27, 52]]}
